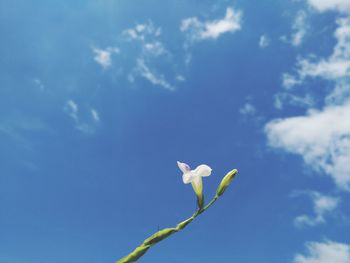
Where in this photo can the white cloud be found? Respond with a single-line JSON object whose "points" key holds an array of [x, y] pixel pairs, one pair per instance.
{"points": [[94, 114], [264, 41], [104, 56], [283, 98], [38, 83], [299, 28], [142, 31], [336, 66], [340, 94], [180, 78], [148, 36], [322, 205], [322, 138], [325, 252], [155, 48], [289, 81], [150, 52], [327, 69], [72, 109], [326, 5], [247, 109], [152, 77], [201, 30]]}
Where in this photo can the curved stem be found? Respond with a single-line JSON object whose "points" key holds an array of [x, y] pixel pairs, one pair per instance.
{"points": [[210, 203], [162, 234]]}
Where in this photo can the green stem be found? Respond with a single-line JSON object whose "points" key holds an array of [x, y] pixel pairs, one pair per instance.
{"points": [[210, 203], [162, 234]]}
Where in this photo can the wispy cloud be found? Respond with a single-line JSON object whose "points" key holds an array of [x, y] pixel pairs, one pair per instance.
{"points": [[299, 28], [180, 78], [340, 94], [146, 55], [289, 81], [39, 84], [16, 133], [284, 98], [104, 56], [332, 68], [322, 206], [72, 109], [16, 126], [147, 35], [142, 31], [155, 48], [88, 126], [325, 252], [151, 52], [201, 30], [264, 41], [326, 5], [143, 70], [95, 115], [247, 109]]}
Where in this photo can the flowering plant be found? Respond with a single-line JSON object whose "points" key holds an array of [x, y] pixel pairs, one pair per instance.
{"points": [[195, 178]]}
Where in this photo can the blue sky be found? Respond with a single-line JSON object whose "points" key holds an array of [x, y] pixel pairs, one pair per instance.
{"points": [[99, 99]]}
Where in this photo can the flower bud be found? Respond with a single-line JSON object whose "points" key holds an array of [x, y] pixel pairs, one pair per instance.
{"points": [[183, 224], [159, 236], [197, 186], [226, 182], [135, 255]]}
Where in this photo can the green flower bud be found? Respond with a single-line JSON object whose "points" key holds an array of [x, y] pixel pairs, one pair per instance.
{"points": [[197, 186], [226, 182], [135, 255], [183, 224], [159, 236]]}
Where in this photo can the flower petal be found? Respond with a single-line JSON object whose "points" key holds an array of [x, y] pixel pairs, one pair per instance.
{"points": [[197, 185], [185, 168], [203, 170], [187, 178]]}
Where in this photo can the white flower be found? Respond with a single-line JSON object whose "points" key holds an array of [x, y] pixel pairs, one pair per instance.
{"points": [[194, 176], [191, 175]]}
